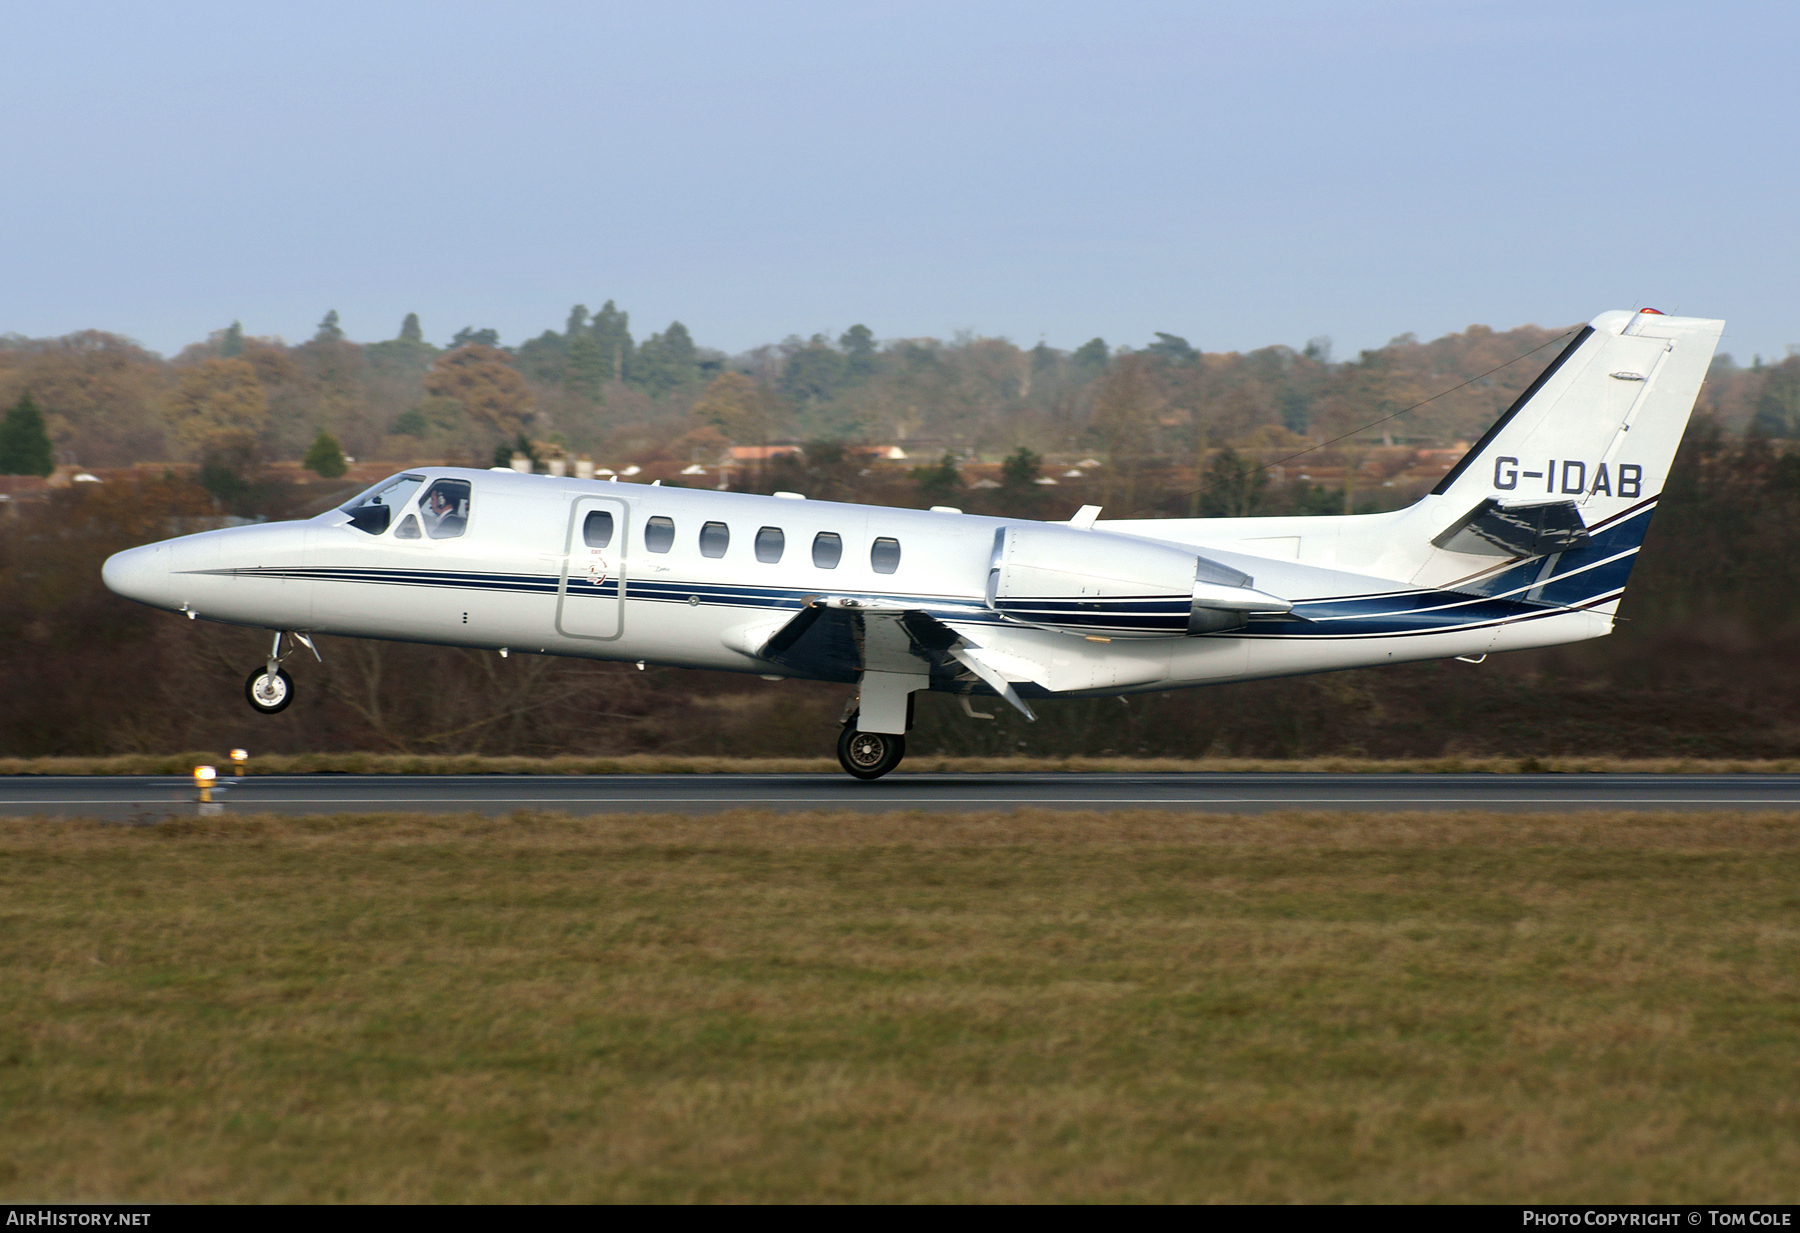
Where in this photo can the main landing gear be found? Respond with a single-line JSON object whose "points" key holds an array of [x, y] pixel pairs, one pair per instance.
{"points": [[869, 755], [879, 702], [269, 689]]}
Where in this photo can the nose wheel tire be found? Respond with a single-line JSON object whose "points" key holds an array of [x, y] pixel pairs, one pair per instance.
{"points": [[269, 694], [869, 755]]}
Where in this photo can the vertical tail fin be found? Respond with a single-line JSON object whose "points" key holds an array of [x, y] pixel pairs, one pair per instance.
{"points": [[1586, 449], [1606, 415]]}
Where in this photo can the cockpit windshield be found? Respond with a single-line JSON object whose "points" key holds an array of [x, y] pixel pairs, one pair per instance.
{"points": [[374, 509]]}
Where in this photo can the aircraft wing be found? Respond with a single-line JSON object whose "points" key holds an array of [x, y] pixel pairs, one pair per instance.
{"points": [[842, 639]]}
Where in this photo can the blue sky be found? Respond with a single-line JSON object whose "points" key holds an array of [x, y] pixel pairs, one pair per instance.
{"points": [[1237, 174]]}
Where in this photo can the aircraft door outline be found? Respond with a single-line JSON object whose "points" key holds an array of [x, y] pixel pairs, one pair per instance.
{"points": [[590, 595]]}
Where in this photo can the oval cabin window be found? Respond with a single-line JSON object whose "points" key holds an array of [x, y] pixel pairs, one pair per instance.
{"points": [[828, 550], [715, 538], [659, 534], [769, 545], [884, 555], [597, 529]]}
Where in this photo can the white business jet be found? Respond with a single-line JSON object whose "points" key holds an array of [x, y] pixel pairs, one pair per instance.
{"points": [[1526, 542]]}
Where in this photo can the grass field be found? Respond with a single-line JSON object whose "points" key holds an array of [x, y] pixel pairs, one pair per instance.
{"points": [[1016, 1007]]}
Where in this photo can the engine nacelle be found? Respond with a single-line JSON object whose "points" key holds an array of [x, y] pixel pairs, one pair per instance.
{"points": [[1116, 586]]}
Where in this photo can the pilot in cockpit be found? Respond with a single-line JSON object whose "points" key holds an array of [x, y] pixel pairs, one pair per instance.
{"points": [[437, 507], [445, 509]]}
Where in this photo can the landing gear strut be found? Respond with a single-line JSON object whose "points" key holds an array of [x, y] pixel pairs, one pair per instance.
{"points": [[869, 755], [269, 689]]}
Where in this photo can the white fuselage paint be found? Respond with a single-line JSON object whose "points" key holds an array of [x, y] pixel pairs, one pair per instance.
{"points": [[520, 577]]}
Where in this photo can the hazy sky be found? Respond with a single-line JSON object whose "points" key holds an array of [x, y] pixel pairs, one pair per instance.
{"points": [[1241, 174]]}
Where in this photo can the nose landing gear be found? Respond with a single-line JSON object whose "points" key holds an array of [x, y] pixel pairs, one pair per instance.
{"points": [[269, 689], [869, 755], [269, 694]]}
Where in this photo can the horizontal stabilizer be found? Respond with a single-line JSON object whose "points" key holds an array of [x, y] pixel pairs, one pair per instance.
{"points": [[1515, 529]]}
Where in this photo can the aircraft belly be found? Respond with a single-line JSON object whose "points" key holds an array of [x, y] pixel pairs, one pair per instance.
{"points": [[1064, 663], [1209, 659], [1552, 631], [1292, 656]]}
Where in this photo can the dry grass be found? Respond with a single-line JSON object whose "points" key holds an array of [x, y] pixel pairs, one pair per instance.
{"points": [[658, 764], [1023, 1006]]}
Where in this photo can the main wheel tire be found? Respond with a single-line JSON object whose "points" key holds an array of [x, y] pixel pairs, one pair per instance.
{"points": [[869, 755], [269, 696]]}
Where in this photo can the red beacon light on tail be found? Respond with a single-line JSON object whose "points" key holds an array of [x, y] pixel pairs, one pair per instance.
{"points": [[1654, 312]]}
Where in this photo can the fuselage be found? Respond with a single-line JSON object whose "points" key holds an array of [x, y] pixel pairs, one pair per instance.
{"points": [[703, 579]]}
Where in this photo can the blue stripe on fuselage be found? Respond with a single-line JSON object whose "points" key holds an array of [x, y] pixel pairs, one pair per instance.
{"points": [[1533, 589]]}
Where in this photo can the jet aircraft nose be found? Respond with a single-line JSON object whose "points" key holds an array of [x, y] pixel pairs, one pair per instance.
{"points": [[144, 574]]}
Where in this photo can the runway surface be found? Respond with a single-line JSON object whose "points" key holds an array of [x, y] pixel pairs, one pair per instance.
{"points": [[146, 799]]}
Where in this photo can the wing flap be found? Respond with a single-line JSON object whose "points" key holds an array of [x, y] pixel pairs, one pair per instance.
{"points": [[843, 639]]}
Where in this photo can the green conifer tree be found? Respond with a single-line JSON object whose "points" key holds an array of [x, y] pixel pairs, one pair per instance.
{"points": [[665, 361], [1021, 468], [612, 330], [1091, 358], [1235, 486], [589, 366], [1173, 347], [1019, 490], [409, 329], [329, 330], [938, 484], [25, 442], [858, 343], [325, 457], [231, 342]]}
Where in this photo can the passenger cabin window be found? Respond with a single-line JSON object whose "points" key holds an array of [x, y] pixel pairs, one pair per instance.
{"points": [[444, 509], [884, 555], [408, 528], [597, 529], [659, 534], [769, 545], [828, 550], [715, 538], [373, 511]]}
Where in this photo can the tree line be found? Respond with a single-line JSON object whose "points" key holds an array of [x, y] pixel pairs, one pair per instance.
{"points": [[234, 402]]}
